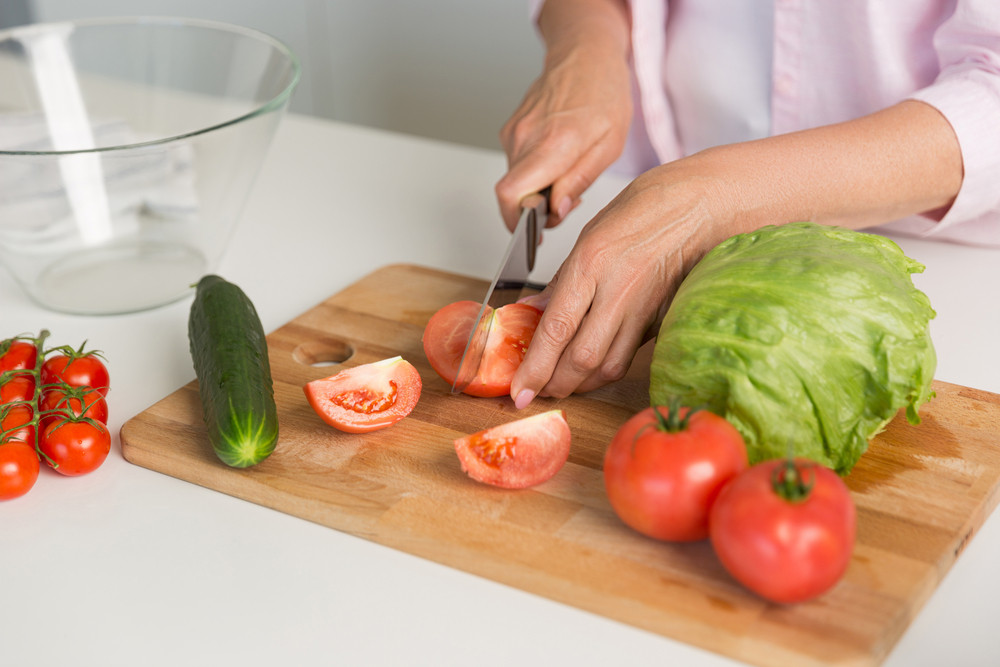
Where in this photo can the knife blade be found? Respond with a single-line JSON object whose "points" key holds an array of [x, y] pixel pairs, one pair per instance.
{"points": [[509, 284]]}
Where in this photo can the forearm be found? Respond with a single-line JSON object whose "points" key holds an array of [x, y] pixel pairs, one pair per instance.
{"points": [[897, 162], [598, 26]]}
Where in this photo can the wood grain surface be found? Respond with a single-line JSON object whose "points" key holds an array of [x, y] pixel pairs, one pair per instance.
{"points": [[921, 491]]}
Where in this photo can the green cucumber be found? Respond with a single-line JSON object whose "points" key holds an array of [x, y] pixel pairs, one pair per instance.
{"points": [[229, 351]]}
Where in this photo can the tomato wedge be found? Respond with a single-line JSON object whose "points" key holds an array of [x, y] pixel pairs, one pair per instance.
{"points": [[511, 328], [517, 454], [367, 397]]}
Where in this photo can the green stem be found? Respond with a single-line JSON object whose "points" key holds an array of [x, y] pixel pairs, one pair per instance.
{"points": [[790, 481]]}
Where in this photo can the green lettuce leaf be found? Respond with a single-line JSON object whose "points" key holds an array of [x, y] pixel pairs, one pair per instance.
{"points": [[807, 338]]}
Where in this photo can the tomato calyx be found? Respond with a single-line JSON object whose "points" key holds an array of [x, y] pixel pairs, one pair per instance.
{"points": [[791, 482]]}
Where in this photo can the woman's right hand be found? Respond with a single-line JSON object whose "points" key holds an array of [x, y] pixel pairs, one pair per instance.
{"points": [[573, 121]]}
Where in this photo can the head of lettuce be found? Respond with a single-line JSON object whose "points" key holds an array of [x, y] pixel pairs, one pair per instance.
{"points": [[807, 338]]}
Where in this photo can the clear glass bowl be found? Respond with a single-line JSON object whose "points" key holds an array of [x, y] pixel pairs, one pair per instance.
{"points": [[127, 149]]}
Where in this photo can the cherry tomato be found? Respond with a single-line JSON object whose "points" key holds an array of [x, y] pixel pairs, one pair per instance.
{"points": [[17, 355], [75, 447], [15, 424], [57, 400], [367, 397], [785, 529], [18, 469], [664, 468], [17, 388], [510, 329], [76, 371], [517, 454]]}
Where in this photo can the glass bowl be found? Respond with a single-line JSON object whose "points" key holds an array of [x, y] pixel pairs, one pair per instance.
{"points": [[127, 149]]}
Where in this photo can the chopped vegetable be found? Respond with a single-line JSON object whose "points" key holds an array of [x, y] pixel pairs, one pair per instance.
{"points": [[517, 454], [366, 397]]}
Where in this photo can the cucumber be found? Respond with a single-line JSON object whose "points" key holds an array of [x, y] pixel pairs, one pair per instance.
{"points": [[234, 376]]}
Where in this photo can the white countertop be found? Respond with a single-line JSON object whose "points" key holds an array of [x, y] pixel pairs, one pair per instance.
{"points": [[130, 567]]}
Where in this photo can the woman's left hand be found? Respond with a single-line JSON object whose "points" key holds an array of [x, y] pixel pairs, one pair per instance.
{"points": [[613, 289]]}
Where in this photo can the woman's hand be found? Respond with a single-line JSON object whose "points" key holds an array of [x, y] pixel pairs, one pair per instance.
{"points": [[617, 282], [612, 291], [573, 121]]}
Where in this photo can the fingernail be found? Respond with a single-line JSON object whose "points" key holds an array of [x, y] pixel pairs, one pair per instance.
{"points": [[524, 397], [564, 205], [538, 301]]}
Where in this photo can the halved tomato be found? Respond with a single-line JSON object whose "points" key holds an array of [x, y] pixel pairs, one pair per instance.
{"points": [[511, 328], [367, 397], [517, 454]]}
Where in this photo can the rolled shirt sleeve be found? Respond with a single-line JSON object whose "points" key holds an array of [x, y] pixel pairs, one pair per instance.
{"points": [[967, 93]]}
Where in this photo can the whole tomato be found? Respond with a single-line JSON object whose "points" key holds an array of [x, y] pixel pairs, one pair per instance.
{"points": [[664, 468], [16, 424], [75, 447], [77, 369], [18, 469], [17, 355], [785, 529], [59, 400], [19, 387]]}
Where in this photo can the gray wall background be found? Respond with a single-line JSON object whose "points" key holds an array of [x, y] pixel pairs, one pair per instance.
{"points": [[446, 69]]}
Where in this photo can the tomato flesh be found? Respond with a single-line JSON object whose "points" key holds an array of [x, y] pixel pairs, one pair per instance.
{"points": [[367, 397], [662, 483], [510, 330], [518, 454], [786, 551]]}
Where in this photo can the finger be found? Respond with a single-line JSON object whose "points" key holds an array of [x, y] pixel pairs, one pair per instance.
{"points": [[587, 353], [618, 359], [529, 174], [549, 165], [563, 313]]}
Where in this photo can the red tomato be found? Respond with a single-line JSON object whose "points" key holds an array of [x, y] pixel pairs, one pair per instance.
{"points": [[17, 388], [75, 447], [18, 469], [15, 424], [785, 545], [86, 370], [367, 397], [517, 454], [17, 354], [663, 472], [78, 401], [511, 328]]}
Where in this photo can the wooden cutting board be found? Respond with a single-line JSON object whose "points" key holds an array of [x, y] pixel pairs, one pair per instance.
{"points": [[921, 492]]}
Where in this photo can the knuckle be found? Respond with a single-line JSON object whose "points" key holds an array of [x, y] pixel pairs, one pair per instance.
{"points": [[613, 370], [584, 359], [557, 329]]}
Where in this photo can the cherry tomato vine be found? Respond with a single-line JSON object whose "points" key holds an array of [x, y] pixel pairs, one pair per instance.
{"points": [[53, 409]]}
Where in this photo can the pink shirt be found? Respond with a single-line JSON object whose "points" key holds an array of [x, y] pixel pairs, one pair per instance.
{"points": [[837, 60]]}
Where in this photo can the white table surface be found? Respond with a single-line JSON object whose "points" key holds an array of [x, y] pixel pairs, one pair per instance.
{"points": [[127, 566]]}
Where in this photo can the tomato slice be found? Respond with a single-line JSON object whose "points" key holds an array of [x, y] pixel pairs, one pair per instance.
{"points": [[511, 328], [367, 397], [518, 454]]}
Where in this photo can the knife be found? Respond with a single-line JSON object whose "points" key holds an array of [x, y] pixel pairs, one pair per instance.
{"points": [[510, 282]]}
